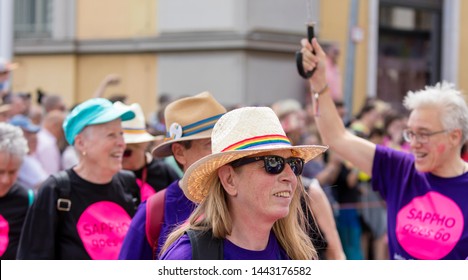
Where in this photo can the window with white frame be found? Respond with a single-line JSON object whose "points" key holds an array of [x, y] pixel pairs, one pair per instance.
{"points": [[33, 18]]}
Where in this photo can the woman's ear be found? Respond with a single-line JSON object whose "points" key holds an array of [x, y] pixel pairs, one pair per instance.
{"points": [[227, 177], [79, 144]]}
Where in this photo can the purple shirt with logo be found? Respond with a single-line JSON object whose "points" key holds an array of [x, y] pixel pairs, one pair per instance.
{"points": [[426, 213]]}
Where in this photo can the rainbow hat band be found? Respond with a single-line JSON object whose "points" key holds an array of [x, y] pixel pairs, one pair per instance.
{"points": [[258, 142]]}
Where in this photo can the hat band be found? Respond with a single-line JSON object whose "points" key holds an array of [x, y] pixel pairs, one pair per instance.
{"points": [[134, 131], [198, 127], [274, 139]]}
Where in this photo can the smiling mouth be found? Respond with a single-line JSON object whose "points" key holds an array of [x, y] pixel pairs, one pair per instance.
{"points": [[117, 155], [419, 155], [283, 194]]}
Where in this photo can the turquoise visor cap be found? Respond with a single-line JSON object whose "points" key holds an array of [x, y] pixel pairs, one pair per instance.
{"points": [[90, 112]]}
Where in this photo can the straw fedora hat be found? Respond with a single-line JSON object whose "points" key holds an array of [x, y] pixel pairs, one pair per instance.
{"points": [[135, 129], [189, 118], [239, 133]]}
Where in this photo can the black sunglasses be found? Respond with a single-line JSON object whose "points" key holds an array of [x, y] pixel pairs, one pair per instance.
{"points": [[273, 164]]}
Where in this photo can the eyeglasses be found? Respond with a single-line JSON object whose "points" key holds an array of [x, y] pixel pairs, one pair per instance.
{"points": [[422, 137], [127, 153], [273, 164]]}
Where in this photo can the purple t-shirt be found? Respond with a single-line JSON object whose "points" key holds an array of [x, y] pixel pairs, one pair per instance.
{"points": [[181, 249], [177, 208], [426, 213]]}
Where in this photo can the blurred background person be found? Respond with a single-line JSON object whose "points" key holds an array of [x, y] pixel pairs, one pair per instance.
{"points": [[50, 141], [31, 174], [334, 78], [14, 198], [152, 174]]}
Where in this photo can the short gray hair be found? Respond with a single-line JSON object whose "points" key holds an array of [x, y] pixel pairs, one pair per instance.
{"points": [[450, 101], [12, 141]]}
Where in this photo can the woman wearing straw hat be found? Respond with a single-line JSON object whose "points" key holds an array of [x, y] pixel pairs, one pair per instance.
{"points": [[249, 191], [84, 212], [152, 174]]}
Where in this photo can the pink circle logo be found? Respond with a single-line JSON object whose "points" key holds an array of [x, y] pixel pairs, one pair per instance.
{"points": [[4, 230], [145, 190], [429, 226], [102, 228]]}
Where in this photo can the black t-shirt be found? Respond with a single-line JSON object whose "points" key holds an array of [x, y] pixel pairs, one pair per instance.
{"points": [[342, 191], [13, 208], [94, 227], [159, 174]]}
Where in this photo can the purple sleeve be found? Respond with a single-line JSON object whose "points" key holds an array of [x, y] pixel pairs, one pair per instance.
{"points": [[135, 245], [390, 168], [181, 249]]}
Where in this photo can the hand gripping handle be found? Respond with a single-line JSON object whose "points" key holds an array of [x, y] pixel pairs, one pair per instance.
{"points": [[300, 67]]}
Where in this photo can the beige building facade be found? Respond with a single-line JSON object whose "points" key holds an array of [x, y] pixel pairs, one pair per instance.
{"points": [[240, 50]]}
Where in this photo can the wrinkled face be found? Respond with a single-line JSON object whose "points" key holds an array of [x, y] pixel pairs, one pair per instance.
{"points": [[255, 193], [9, 167], [134, 156], [430, 156], [103, 145]]}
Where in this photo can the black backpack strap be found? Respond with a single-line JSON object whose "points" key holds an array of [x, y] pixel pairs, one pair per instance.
{"points": [[205, 246], [63, 189]]}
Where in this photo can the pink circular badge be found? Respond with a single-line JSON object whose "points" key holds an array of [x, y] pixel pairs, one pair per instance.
{"points": [[102, 228], [429, 226], [4, 230]]}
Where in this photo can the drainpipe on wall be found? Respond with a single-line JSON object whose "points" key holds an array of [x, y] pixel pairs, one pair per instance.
{"points": [[350, 60]]}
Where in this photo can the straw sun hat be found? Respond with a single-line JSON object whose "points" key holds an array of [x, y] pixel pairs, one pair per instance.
{"points": [[135, 129], [189, 118], [240, 133]]}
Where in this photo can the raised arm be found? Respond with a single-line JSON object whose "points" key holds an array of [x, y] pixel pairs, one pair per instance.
{"points": [[111, 79], [358, 151]]}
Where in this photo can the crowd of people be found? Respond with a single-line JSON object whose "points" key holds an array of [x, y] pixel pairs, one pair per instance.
{"points": [[196, 180]]}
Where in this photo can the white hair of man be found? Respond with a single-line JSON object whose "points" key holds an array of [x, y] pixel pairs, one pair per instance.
{"points": [[450, 101]]}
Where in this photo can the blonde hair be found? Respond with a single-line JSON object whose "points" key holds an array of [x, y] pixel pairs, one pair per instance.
{"points": [[213, 214]]}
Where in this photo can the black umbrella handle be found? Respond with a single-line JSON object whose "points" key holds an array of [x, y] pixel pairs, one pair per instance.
{"points": [[300, 67]]}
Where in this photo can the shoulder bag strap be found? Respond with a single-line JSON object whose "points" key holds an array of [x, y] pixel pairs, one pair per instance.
{"points": [[154, 218], [205, 246]]}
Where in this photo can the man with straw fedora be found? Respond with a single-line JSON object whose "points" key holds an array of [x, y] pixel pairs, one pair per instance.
{"points": [[189, 123], [249, 193]]}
